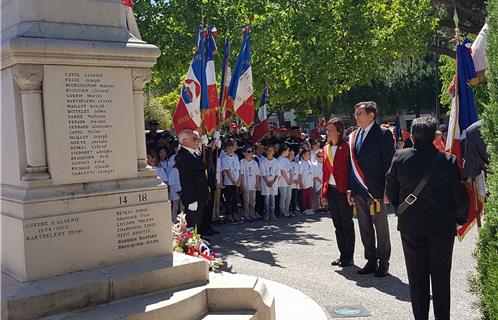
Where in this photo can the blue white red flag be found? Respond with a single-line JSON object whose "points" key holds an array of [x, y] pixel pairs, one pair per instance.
{"points": [[188, 111], [262, 127], [226, 77], [463, 114], [209, 114], [240, 92]]}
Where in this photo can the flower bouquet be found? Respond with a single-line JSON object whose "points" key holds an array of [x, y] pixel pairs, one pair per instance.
{"points": [[188, 241]]}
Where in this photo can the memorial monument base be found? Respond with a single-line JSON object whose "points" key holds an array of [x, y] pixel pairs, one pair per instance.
{"points": [[170, 287]]}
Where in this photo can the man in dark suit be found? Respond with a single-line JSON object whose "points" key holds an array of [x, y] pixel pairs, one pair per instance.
{"points": [[372, 151], [428, 226], [193, 180]]}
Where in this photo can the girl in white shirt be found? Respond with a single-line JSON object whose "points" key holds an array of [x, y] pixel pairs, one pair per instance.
{"points": [[270, 171], [284, 181], [249, 180], [306, 181], [295, 182], [230, 167], [317, 179]]}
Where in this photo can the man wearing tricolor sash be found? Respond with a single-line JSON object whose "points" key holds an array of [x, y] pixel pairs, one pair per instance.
{"points": [[371, 151]]}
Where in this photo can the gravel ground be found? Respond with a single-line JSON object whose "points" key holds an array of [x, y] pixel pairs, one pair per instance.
{"points": [[297, 252]]}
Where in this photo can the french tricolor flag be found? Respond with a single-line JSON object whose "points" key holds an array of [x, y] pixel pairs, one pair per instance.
{"points": [[240, 92], [209, 114], [261, 128], [188, 113]]}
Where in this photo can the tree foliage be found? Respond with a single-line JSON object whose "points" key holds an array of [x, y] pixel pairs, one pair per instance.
{"points": [[307, 51]]}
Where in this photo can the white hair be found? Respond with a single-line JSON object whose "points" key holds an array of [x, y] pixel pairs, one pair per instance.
{"points": [[184, 134]]}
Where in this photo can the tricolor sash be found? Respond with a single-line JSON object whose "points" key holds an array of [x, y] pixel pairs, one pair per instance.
{"points": [[358, 175], [329, 158]]}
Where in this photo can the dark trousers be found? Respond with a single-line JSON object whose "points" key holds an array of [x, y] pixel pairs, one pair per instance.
{"points": [[294, 198], [342, 216], [260, 203], [429, 258], [196, 218], [208, 216], [232, 200], [379, 248]]}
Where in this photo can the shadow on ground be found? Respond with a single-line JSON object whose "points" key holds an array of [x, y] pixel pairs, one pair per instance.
{"points": [[390, 284], [254, 240]]}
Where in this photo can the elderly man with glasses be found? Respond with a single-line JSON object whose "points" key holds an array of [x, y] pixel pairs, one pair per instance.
{"points": [[193, 179]]}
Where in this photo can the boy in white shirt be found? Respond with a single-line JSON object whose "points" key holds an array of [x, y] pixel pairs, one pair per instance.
{"points": [[249, 180], [230, 167], [317, 179], [306, 181], [284, 181], [270, 171], [295, 182]]}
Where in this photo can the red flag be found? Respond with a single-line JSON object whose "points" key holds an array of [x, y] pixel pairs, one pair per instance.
{"points": [[128, 3], [209, 114]]}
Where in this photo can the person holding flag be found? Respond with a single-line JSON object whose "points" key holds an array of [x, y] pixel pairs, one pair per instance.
{"points": [[240, 92]]}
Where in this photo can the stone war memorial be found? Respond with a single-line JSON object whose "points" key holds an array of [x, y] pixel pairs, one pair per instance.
{"points": [[85, 223]]}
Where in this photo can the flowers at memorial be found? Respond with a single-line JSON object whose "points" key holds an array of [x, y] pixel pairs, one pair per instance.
{"points": [[188, 241]]}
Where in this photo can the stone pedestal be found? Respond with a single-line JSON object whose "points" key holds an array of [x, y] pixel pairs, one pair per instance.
{"points": [[76, 190]]}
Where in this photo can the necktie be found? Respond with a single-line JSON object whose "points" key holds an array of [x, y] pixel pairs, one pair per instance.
{"points": [[360, 140]]}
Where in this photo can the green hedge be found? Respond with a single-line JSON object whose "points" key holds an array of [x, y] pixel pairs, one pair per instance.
{"points": [[487, 248]]}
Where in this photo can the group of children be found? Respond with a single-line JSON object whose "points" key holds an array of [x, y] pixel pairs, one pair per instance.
{"points": [[265, 174], [268, 181]]}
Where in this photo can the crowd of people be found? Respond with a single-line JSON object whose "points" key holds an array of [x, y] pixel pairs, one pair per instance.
{"points": [[230, 179]]}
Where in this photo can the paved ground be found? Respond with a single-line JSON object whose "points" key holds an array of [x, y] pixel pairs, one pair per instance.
{"points": [[297, 252]]}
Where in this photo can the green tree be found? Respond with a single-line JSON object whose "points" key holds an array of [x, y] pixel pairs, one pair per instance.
{"points": [[308, 51]]}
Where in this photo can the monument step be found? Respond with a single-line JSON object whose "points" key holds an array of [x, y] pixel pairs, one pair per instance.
{"points": [[245, 298], [248, 315], [79, 290]]}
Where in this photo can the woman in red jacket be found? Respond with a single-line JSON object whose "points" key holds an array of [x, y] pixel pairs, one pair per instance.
{"points": [[336, 174]]}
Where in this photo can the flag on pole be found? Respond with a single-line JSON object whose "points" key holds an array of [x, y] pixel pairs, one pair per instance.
{"points": [[261, 128], [240, 92], [209, 114], [188, 112], [463, 114], [398, 132], [226, 77]]}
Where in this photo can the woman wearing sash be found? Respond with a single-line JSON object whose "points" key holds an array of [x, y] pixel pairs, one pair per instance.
{"points": [[336, 172]]}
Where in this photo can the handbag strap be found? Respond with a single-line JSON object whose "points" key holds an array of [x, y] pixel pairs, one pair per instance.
{"points": [[412, 197]]}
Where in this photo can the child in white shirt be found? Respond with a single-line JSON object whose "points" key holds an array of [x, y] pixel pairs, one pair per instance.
{"points": [[249, 181], [306, 181], [284, 181], [230, 167], [317, 179], [295, 182], [270, 171]]}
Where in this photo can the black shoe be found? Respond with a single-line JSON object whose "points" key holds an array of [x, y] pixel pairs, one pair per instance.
{"points": [[336, 262], [382, 271], [346, 263], [370, 267]]}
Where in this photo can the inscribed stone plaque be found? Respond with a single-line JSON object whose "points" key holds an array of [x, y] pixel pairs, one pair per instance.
{"points": [[61, 244], [89, 123]]}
